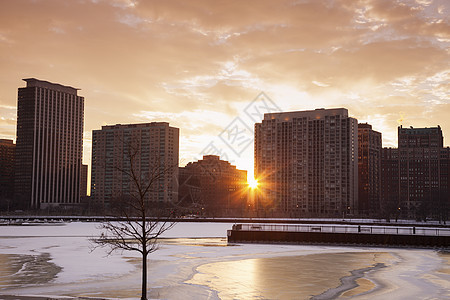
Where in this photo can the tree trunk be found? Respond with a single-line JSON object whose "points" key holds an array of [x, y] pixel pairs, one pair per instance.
{"points": [[144, 276]]}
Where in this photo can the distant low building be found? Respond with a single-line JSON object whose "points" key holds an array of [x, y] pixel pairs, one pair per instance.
{"points": [[7, 154], [212, 187]]}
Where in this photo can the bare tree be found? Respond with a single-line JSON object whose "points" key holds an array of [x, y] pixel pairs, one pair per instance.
{"points": [[137, 223]]}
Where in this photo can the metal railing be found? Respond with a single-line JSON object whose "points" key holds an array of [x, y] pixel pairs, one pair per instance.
{"points": [[359, 229]]}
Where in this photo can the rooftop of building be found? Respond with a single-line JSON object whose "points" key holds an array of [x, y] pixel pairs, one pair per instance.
{"points": [[318, 113], [5, 142], [364, 125], [136, 125], [423, 130], [213, 159], [33, 82]]}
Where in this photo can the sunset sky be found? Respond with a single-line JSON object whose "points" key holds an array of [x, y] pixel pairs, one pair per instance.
{"points": [[199, 64]]}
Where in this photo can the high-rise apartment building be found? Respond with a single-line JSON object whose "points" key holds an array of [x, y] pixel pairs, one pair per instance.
{"points": [[307, 163], [7, 155], [49, 144], [213, 187], [415, 176], [147, 149], [369, 166]]}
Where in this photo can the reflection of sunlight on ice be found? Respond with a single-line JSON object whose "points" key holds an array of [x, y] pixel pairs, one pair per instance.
{"points": [[233, 279], [445, 256], [286, 277], [243, 275]]}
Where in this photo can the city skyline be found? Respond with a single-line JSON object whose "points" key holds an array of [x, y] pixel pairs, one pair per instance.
{"points": [[197, 65]]}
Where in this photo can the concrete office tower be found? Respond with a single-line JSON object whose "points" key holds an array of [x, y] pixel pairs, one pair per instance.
{"points": [[156, 146], [7, 153], [369, 165], [306, 163], [49, 145], [415, 179], [213, 187]]}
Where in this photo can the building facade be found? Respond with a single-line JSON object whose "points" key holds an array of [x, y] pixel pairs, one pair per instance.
{"points": [[390, 185], [212, 187], [369, 167], [7, 156], [306, 163], [49, 145], [83, 181], [415, 183], [146, 149]]}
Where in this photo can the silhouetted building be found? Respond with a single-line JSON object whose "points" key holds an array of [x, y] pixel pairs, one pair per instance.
{"points": [[148, 149], [213, 187], [390, 182], [369, 166], [83, 180], [420, 138], [49, 145], [306, 163], [416, 183], [7, 152], [442, 210]]}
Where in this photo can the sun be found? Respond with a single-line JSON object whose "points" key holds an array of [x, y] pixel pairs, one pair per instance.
{"points": [[252, 183]]}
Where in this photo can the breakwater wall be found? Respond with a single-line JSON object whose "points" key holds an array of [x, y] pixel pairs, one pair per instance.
{"points": [[340, 235]]}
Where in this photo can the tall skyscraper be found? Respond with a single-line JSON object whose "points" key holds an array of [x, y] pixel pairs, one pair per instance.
{"points": [[213, 187], [369, 165], [307, 163], [49, 144], [7, 153], [147, 149], [415, 176]]}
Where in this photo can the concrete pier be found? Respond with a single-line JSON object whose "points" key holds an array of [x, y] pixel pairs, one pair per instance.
{"points": [[340, 235]]}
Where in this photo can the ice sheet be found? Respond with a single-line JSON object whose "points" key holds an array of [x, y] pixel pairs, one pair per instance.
{"points": [[176, 263]]}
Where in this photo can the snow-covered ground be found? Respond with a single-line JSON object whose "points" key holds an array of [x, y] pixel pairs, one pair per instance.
{"points": [[195, 262]]}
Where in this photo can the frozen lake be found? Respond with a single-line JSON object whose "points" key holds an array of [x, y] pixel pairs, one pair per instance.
{"points": [[195, 262]]}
